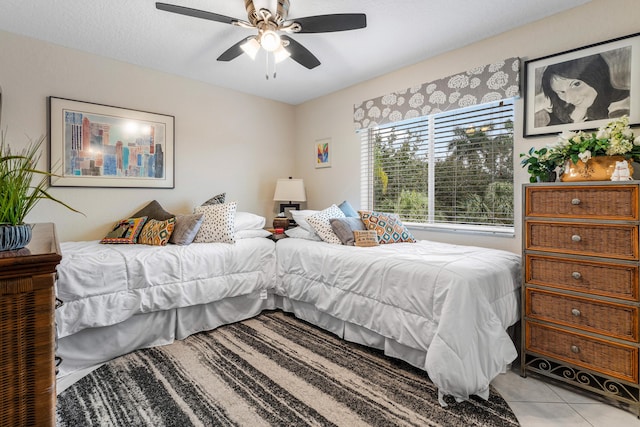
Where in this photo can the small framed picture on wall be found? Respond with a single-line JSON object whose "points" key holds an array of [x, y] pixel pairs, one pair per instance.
{"points": [[322, 148]]}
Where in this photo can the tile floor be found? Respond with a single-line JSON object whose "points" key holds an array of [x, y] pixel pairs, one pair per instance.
{"points": [[540, 403], [535, 403]]}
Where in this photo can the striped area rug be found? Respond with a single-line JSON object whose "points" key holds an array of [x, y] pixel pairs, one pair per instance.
{"points": [[272, 370]]}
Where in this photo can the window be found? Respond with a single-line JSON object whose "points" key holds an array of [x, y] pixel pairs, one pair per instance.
{"points": [[470, 183]]}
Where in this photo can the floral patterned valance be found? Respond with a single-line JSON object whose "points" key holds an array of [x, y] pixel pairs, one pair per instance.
{"points": [[478, 85]]}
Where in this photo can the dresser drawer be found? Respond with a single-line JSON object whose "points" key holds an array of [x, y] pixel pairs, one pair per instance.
{"points": [[616, 320], [597, 278], [601, 202], [603, 240], [616, 360]]}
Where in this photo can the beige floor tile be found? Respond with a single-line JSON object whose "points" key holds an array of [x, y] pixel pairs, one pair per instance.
{"points": [[570, 395], [604, 415], [537, 414], [513, 388]]}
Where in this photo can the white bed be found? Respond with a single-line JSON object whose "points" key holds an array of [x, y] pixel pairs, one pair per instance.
{"points": [[443, 308], [117, 298]]}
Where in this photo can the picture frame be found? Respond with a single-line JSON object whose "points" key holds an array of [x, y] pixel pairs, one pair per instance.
{"points": [[96, 145], [583, 88], [287, 207], [322, 149]]}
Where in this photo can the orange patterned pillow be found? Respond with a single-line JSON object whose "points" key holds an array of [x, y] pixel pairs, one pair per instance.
{"points": [[157, 233], [388, 227]]}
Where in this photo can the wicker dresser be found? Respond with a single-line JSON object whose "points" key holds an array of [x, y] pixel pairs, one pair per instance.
{"points": [[580, 296], [27, 367]]}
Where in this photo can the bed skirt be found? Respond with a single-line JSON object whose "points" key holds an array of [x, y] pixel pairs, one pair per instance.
{"points": [[92, 346], [351, 332]]}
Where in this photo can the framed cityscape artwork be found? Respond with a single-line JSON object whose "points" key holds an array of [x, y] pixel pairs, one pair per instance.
{"points": [[95, 145]]}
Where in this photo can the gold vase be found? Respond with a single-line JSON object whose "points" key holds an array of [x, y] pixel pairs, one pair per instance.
{"points": [[599, 168]]}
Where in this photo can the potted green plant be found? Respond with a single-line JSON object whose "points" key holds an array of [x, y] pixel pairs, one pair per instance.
{"points": [[585, 156], [22, 186], [541, 164]]}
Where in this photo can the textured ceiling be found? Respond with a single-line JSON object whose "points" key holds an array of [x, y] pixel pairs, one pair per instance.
{"points": [[398, 33]]}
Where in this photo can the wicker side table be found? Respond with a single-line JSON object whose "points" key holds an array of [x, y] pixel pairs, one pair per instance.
{"points": [[27, 334]]}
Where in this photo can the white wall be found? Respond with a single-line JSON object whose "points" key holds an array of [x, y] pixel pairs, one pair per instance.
{"points": [[331, 116], [233, 142], [225, 141]]}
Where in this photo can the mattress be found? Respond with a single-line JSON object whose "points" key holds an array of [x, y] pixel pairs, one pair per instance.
{"points": [[454, 302], [102, 285]]}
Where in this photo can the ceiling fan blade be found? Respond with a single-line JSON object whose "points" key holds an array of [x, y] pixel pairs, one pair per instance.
{"points": [[233, 52], [332, 23], [301, 54], [195, 13]]}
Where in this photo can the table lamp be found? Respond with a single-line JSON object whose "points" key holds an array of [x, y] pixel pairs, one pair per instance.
{"points": [[291, 190]]}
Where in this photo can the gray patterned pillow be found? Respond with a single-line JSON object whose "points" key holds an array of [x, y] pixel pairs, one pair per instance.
{"points": [[321, 223], [186, 228], [345, 227], [218, 223], [218, 199]]}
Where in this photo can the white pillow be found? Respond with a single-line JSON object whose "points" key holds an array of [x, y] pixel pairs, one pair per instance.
{"points": [[299, 218], [248, 221], [247, 234], [321, 223], [301, 233], [217, 224]]}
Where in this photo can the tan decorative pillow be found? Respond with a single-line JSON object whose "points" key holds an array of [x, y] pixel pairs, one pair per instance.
{"points": [[156, 232], [364, 238]]}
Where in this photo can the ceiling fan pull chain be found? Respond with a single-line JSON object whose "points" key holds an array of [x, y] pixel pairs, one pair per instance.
{"points": [[275, 63], [266, 74]]}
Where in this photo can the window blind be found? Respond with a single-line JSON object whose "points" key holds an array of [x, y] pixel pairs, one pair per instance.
{"points": [[449, 168]]}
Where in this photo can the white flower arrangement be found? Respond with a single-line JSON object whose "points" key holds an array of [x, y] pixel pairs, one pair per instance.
{"points": [[614, 139]]}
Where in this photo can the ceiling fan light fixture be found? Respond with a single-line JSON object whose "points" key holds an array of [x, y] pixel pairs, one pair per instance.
{"points": [[280, 54], [251, 47], [270, 41]]}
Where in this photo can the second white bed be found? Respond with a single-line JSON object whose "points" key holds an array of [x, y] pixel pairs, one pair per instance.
{"points": [[452, 302]]}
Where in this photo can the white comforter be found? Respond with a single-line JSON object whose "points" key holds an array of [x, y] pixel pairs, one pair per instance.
{"points": [[102, 285], [454, 301]]}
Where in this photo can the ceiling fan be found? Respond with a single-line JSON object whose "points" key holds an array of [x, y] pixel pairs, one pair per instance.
{"points": [[271, 27]]}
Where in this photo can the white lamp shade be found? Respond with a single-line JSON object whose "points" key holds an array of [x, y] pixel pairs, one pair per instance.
{"points": [[270, 40], [280, 54], [290, 189], [251, 47]]}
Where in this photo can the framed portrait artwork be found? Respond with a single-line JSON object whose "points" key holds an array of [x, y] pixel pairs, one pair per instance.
{"points": [[95, 145], [323, 153], [583, 88]]}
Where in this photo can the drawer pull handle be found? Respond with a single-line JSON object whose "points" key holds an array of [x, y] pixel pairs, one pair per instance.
{"points": [[576, 275], [576, 238], [575, 201], [575, 312], [575, 349]]}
